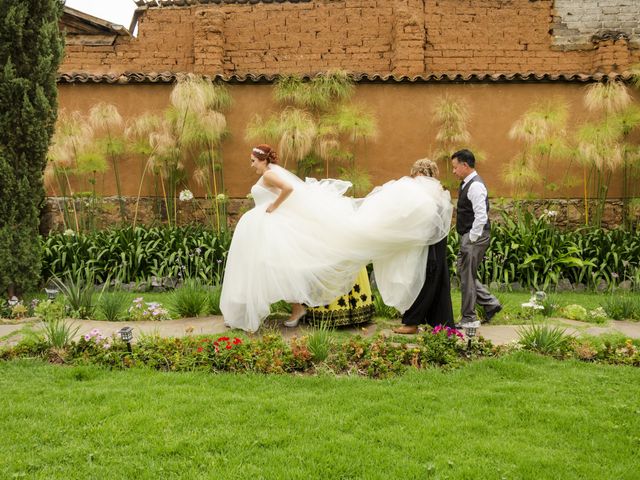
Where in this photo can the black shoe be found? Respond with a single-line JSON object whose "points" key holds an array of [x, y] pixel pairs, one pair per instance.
{"points": [[492, 313]]}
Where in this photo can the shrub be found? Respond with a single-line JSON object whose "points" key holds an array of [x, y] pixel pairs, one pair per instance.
{"points": [[319, 342], [136, 254], [622, 307], [113, 306], [545, 339], [575, 312], [56, 332], [78, 291], [189, 300]]}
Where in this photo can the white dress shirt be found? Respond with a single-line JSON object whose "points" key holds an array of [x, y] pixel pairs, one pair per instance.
{"points": [[477, 194]]}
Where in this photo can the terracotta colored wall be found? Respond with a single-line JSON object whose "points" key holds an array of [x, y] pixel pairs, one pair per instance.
{"points": [[404, 37], [406, 129]]}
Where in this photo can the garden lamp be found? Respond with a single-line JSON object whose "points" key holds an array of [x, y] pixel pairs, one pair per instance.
{"points": [[126, 334], [470, 330], [52, 293]]}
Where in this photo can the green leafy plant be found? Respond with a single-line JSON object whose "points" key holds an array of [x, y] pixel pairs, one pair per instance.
{"points": [[189, 300], [622, 307], [56, 332], [136, 254], [79, 293], [214, 294], [113, 306], [320, 341], [575, 312], [544, 339]]}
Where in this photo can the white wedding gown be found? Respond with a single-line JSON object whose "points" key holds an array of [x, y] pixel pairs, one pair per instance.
{"points": [[311, 248]]}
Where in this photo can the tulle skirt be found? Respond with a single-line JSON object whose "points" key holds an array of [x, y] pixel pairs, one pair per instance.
{"points": [[312, 247]]}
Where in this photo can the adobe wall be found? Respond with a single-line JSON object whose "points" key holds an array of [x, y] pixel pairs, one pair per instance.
{"points": [[401, 37], [404, 116]]}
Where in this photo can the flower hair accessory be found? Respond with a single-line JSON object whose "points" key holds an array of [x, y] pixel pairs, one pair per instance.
{"points": [[257, 150]]}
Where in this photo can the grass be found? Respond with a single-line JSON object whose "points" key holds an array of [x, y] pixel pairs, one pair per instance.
{"points": [[522, 416]]}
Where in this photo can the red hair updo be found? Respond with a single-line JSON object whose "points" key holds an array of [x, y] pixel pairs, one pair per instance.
{"points": [[264, 152]]}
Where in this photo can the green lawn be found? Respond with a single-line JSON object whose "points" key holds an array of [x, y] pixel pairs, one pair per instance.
{"points": [[516, 417]]}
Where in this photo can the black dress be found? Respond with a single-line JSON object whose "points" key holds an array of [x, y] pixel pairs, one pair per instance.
{"points": [[433, 305]]}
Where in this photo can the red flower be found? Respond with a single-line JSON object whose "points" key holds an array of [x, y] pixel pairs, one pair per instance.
{"points": [[223, 339], [216, 343], [237, 341], [200, 349], [228, 346]]}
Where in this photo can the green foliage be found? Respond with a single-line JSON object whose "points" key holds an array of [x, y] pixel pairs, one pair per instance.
{"points": [[622, 307], [50, 311], [320, 341], [531, 250], [30, 53], [113, 306], [214, 294], [383, 310], [55, 332], [545, 339], [317, 122], [575, 312], [189, 300], [136, 254], [79, 292]]}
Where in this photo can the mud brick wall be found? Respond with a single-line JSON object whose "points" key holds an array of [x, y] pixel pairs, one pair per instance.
{"points": [[401, 37]]}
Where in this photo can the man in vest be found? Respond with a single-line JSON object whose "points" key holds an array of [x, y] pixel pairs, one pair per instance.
{"points": [[472, 224]]}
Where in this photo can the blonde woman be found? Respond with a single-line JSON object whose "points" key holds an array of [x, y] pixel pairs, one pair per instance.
{"points": [[433, 305]]}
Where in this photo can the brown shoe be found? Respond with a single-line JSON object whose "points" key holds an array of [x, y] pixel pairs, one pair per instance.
{"points": [[406, 330]]}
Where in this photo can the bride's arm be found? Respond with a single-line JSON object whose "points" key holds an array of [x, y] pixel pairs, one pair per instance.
{"points": [[272, 180]]}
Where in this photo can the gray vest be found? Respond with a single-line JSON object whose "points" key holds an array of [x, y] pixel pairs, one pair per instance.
{"points": [[464, 211]]}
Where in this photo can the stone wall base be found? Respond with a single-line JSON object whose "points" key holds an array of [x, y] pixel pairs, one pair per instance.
{"points": [[566, 213]]}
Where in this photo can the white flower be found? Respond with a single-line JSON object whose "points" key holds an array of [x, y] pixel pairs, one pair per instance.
{"points": [[198, 250], [221, 198], [69, 233], [186, 195]]}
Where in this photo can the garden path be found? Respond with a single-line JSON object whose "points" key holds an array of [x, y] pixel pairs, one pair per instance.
{"points": [[10, 333]]}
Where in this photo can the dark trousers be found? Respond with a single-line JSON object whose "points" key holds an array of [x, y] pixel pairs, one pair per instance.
{"points": [[433, 305], [473, 292]]}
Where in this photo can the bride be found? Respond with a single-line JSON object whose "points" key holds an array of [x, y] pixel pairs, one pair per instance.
{"points": [[305, 242]]}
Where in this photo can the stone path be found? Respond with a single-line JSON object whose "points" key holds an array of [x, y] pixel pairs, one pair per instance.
{"points": [[11, 333]]}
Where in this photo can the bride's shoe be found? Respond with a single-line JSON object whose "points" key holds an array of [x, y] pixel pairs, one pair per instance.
{"points": [[293, 321]]}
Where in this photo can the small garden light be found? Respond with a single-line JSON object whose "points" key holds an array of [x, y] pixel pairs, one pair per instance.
{"points": [[470, 330], [126, 334], [52, 293]]}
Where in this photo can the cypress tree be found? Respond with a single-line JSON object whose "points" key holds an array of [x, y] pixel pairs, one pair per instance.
{"points": [[30, 51]]}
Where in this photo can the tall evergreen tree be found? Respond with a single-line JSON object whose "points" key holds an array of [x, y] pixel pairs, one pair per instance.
{"points": [[30, 52]]}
